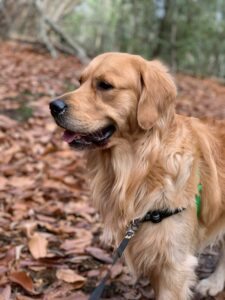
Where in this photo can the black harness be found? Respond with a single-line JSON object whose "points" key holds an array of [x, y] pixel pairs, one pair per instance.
{"points": [[155, 216]]}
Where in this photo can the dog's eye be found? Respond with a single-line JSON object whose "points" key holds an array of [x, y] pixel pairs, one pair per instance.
{"points": [[103, 85]]}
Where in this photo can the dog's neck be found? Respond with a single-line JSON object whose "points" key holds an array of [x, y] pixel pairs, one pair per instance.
{"points": [[121, 177]]}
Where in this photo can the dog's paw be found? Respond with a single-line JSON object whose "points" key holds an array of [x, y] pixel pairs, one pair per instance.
{"points": [[211, 285]]}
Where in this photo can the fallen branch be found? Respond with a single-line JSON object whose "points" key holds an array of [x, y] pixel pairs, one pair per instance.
{"points": [[63, 48], [78, 50]]}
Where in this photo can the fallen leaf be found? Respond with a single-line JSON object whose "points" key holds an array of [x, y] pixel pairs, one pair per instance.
{"points": [[23, 280], [93, 273], [79, 244], [58, 289], [22, 297], [3, 182], [29, 228], [70, 276], [75, 246], [21, 182], [38, 246], [75, 296], [6, 122], [3, 280], [99, 254], [6, 293], [116, 270]]}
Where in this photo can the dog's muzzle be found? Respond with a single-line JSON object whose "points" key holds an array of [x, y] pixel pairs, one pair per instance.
{"points": [[76, 139]]}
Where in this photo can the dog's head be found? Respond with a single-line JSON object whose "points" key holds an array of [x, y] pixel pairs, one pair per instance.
{"points": [[119, 93]]}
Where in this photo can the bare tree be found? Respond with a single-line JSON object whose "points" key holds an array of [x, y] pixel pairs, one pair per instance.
{"points": [[36, 21]]}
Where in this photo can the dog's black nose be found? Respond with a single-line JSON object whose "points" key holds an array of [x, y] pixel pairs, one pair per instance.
{"points": [[57, 106]]}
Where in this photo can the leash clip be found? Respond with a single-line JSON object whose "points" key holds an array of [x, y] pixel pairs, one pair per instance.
{"points": [[132, 228]]}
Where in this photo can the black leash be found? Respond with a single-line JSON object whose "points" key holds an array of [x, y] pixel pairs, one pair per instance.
{"points": [[155, 216]]}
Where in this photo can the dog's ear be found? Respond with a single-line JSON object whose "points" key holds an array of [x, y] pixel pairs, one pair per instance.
{"points": [[158, 92]]}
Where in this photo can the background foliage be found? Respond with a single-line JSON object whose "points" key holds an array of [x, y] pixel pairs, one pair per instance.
{"points": [[187, 34]]}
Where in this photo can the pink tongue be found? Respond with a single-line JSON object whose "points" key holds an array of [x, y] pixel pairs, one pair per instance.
{"points": [[69, 136]]}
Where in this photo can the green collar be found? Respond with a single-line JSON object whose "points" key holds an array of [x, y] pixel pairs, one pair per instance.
{"points": [[198, 200]]}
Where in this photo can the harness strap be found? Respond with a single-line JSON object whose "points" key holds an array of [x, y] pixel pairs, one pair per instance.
{"points": [[198, 200], [155, 216]]}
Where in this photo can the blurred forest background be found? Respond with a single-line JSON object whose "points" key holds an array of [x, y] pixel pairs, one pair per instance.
{"points": [[50, 235], [187, 34]]}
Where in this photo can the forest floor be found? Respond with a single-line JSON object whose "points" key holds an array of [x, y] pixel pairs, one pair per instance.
{"points": [[49, 233]]}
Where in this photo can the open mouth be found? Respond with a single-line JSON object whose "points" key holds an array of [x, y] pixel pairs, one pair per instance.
{"points": [[95, 139]]}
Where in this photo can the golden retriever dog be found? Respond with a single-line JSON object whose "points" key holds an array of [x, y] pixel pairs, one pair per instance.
{"points": [[143, 157]]}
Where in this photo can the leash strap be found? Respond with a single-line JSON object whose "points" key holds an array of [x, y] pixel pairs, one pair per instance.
{"points": [[155, 216], [133, 227]]}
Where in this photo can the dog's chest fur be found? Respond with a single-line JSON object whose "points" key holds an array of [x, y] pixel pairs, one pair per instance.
{"points": [[126, 185]]}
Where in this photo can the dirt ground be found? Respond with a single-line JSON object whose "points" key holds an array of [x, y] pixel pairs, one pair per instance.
{"points": [[49, 233]]}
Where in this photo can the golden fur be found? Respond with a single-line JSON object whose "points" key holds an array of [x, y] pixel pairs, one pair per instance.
{"points": [[154, 160]]}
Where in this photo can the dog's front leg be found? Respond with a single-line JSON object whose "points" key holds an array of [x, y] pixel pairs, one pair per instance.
{"points": [[214, 284], [174, 281]]}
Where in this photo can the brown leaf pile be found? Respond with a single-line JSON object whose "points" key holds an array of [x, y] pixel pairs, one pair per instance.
{"points": [[49, 233]]}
